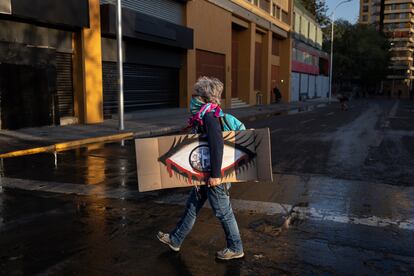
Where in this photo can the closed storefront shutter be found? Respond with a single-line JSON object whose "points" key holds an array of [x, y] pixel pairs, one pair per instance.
{"points": [[312, 84], [145, 87], [319, 87], [295, 87], [64, 84], [304, 85], [169, 10]]}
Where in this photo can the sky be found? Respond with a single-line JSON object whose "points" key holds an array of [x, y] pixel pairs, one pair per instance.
{"points": [[348, 11]]}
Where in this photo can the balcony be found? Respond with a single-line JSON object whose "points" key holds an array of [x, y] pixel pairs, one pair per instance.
{"points": [[404, 58], [390, 11], [264, 9], [399, 20], [398, 32], [402, 48]]}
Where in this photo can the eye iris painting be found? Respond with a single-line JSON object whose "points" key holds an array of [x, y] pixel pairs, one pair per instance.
{"points": [[189, 157], [200, 159]]}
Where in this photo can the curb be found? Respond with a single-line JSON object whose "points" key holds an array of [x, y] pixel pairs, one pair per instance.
{"points": [[128, 135], [68, 145]]}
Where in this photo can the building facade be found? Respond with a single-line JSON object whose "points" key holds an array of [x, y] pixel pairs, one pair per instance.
{"points": [[371, 12], [66, 57], [156, 41], [310, 65], [245, 44], [396, 20], [39, 52]]}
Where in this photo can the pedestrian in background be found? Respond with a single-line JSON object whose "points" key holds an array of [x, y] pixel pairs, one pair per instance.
{"points": [[278, 95], [343, 100]]}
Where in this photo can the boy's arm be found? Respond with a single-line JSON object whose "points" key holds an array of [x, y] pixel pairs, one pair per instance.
{"points": [[215, 142]]}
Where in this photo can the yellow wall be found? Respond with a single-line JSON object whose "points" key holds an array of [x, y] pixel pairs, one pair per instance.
{"points": [[212, 32], [88, 69], [246, 39], [285, 68], [267, 67]]}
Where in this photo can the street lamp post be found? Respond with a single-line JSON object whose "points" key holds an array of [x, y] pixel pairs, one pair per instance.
{"points": [[332, 41], [120, 64]]}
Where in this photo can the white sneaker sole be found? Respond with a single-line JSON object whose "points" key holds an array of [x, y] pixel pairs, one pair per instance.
{"points": [[175, 249], [231, 258]]}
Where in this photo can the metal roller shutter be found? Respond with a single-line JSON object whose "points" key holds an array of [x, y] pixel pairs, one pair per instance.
{"points": [[304, 85], [311, 90], [144, 87], [295, 91], [169, 10], [64, 84]]}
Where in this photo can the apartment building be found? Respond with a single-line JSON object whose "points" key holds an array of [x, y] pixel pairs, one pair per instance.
{"points": [[396, 20], [371, 12], [310, 65]]}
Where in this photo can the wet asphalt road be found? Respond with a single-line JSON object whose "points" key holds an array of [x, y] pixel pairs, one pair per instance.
{"points": [[346, 177]]}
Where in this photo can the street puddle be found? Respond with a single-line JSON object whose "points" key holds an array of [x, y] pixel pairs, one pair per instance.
{"points": [[91, 164]]}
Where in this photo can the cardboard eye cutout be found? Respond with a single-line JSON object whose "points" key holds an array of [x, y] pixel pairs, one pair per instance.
{"points": [[184, 160], [190, 156]]}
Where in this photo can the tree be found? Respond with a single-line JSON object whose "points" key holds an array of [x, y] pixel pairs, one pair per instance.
{"points": [[361, 55], [318, 8]]}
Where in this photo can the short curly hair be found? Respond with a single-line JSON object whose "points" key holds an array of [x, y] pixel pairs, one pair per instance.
{"points": [[210, 89]]}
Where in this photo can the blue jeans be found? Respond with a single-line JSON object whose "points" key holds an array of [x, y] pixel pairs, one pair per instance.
{"points": [[220, 203]]}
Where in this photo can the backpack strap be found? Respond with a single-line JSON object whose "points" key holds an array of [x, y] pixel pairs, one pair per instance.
{"points": [[224, 123]]}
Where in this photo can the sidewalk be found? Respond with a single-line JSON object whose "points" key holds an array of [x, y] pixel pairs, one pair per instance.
{"points": [[138, 124]]}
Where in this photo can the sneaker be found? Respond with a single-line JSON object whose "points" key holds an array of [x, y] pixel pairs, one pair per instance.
{"points": [[227, 254], [165, 238]]}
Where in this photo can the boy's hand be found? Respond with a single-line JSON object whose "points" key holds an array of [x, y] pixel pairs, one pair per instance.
{"points": [[213, 182]]}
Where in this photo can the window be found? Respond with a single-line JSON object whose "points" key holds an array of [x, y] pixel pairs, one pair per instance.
{"points": [[275, 47], [299, 56], [264, 5], [285, 17]]}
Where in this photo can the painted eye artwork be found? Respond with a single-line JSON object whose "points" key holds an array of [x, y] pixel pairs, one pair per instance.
{"points": [[189, 156]]}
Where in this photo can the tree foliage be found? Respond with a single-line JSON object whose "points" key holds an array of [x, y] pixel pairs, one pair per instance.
{"points": [[361, 54], [318, 8]]}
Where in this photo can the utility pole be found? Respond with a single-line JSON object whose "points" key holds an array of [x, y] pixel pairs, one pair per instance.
{"points": [[120, 64]]}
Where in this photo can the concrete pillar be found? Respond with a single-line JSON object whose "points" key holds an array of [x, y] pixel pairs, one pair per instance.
{"points": [[227, 85], [267, 67], [190, 74], [246, 50], [285, 68], [88, 69], [252, 43]]}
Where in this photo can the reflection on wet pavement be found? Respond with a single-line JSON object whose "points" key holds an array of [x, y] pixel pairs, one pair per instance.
{"points": [[93, 164], [111, 168], [55, 235]]}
